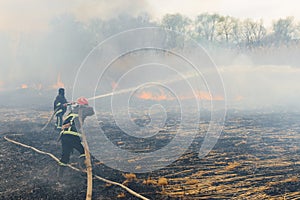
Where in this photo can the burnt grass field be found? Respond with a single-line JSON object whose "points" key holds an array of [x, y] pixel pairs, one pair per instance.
{"points": [[256, 157]]}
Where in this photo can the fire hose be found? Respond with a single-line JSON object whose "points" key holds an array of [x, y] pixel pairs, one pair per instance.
{"points": [[50, 119], [52, 116], [76, 169]]}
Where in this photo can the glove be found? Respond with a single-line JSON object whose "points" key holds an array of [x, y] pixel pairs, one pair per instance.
{"points": [[66, 126]]}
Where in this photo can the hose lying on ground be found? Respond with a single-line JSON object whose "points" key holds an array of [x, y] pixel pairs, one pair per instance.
{"points": [[50, 119], [88, 162], [76, 169]]}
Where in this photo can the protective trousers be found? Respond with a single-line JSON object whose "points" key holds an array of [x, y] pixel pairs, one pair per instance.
{"points": [[59, 120], [68, 143]]}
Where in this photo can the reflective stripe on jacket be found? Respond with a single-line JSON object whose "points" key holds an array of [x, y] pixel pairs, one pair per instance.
{"points": [[71, 119]]}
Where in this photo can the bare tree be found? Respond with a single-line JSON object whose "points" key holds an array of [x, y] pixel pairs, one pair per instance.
{"points": [[237, 30], [177, 23], [206, 26], [253, 32], [226, 27], [284, 30]]}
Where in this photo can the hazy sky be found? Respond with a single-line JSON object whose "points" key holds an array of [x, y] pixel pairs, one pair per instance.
{"points": [[29, 15], [256, 9]]}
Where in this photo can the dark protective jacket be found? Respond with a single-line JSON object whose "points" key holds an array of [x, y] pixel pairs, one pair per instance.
{"points": [[70, 135], [58, 106], [72, 120]]}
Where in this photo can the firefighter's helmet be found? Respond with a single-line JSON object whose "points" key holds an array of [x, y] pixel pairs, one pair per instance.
{"points": [[82, 101]]}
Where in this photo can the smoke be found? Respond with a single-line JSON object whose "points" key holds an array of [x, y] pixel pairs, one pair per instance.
{"points": [[95, 9], [41, 43], [261, 86], [34, 15], [45, 40]]}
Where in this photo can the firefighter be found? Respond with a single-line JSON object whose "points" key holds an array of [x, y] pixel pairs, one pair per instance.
{"points": [[70, 135], [60, 108]]}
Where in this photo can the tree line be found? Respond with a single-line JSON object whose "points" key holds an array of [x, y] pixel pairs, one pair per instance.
{"points": [[227, 31], [69, 40], [208, 29]]}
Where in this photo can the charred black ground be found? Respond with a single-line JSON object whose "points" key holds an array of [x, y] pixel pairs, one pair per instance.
{"points": [[257, 156]]}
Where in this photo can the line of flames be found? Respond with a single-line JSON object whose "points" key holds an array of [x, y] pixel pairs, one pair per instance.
{"points": [[201, 95], [145, 95], [39, 86]]}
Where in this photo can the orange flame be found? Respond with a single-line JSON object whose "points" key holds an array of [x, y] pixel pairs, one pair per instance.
{"points": [[200, 95], [24, 86], [59, 83], [156, 97], [204, 95]]}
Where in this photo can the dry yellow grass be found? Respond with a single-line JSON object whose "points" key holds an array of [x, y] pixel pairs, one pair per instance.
{"points": [[149, 181], [162, 181], [121, 195], [138, 167], [232, 165], [192, 181], [240, 143], [293, 179], [130, 176], [220, 163]]}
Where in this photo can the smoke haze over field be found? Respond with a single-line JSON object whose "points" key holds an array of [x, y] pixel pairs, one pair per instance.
{"points": [[42, 45]]}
